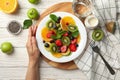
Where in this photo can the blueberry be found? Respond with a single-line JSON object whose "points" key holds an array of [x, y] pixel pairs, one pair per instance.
{"points": [[43, 41], [77, 45], [54, 26], [71, 37], [46, 45], [59, 18], [52, 41], [69, 32], [59, 51]]}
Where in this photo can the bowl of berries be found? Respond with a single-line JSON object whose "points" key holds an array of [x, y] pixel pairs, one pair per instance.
{"points": [[61, 37]]}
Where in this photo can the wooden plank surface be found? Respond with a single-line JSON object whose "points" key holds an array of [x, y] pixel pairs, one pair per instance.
{"points": [[13, 67]]}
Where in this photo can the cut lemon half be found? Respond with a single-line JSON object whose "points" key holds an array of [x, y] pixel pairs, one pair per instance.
{"points": [[8, 6]]}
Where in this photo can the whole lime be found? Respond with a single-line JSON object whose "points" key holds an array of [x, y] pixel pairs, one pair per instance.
{"points": [[33, 13], [6, 47], [33, 1]]}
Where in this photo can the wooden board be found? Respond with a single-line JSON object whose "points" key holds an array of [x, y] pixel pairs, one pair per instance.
{"points": [[64, 7]]}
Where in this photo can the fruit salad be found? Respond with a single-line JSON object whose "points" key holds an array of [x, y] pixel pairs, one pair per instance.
{"points": [[60, 35]]}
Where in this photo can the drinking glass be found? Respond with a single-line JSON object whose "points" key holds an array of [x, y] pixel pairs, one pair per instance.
{"points": [[81, 8]]}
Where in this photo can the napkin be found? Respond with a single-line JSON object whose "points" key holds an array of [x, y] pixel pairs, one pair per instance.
{"points": [[91, 63]]}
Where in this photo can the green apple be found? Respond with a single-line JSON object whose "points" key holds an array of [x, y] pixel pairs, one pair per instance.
{"points": [[33, 1], [33, 13], [6, 47]]}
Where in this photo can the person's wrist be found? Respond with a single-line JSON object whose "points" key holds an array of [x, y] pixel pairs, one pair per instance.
{"points": [[33, 63]]}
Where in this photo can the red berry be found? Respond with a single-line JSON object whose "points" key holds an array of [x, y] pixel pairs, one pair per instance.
{"points": [[67, 23], [66, 34], [50, 33], [74, 41], [63, 49], [58, 42], [72, 47]]}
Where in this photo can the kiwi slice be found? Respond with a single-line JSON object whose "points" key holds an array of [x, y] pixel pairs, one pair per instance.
{"points": [[97, 35], [72, 28], [66, 40], [50, 24], [53, 48]]}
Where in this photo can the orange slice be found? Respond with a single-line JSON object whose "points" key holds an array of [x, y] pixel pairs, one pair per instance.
{"points": [[67, 20], [78, 38], [8, 6], [57, 55], [44, 33]]}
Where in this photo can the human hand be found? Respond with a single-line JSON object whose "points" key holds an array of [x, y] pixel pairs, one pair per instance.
{"points": [[32, 49]]}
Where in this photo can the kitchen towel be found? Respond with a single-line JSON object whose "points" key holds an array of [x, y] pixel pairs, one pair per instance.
{"points": [[91, 63]]}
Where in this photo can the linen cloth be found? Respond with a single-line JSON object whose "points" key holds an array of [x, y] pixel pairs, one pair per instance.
{"points": [[90, 63]]}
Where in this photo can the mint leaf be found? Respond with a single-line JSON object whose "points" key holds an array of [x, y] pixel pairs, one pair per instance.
{"points": [[54, 17], [27, 23], [75, 34]]}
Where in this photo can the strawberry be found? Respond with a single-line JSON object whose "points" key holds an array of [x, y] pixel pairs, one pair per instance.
{"points": [[63, 49], [72, 47], [58, 42], [50, 33], [66, 34], [74, 41]]}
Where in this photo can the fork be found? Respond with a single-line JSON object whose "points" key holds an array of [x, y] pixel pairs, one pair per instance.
{"points": [[97, 50]]}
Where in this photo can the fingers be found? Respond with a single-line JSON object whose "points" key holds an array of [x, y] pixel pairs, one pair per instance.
{"points": [[30, 32], [34, 30], [34, 43], [29, 44]]}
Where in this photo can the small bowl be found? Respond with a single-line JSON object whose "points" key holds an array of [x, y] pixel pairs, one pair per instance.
{"points": [[91, 22], [15, 23]]}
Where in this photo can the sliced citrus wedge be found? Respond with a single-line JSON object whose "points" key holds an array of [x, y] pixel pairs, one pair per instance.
{"points": [[44, 34], [65, 21], [8, 6], [57, 55]]}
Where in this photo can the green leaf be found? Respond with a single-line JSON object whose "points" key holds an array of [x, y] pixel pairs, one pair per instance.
{"points": [[54, 37], [75, 34], [53, 17], [27, 23]]}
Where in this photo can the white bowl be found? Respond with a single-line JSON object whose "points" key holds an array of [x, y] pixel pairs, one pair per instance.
{"points": [[87, 23], [74, 55]]}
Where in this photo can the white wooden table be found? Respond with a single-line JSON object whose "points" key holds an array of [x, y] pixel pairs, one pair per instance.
{"points": [[14, 67]]}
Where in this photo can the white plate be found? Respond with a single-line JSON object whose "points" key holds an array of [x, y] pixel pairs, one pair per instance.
{"points": [[74, 55]]}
